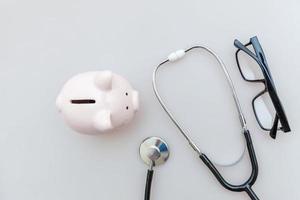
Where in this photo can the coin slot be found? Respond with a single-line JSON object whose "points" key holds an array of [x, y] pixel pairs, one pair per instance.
{"points": [[83, 101]]}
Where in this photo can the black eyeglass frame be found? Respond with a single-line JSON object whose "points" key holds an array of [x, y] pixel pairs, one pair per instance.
{"points": [[260, 58]]}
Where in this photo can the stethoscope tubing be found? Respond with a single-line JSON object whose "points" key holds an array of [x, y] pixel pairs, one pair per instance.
{"points": [[148, 184], [247, 185]]}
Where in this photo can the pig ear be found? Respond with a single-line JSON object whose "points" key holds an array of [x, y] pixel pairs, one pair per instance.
{"points": [[103, 80], [102, 120], [135, 100]]}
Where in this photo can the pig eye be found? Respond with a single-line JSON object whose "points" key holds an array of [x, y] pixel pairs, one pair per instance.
{"points": [[127, 107], [126, 93]]}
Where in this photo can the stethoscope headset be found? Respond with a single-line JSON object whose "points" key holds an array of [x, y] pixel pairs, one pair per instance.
{"points": [[154, 151]]}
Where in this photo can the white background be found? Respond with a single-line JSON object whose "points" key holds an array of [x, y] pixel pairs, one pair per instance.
{"points": [[43, 43]]}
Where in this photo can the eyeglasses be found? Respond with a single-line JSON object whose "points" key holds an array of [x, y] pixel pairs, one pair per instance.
{"points": [[253, 67]]}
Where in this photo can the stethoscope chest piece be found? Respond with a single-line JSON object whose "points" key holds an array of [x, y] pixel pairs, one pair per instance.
{"points": [[154, 151]]}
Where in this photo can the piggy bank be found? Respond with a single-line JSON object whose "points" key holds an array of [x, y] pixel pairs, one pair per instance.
{"points": [[97, 102]]}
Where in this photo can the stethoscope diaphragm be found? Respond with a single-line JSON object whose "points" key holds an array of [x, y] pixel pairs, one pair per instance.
{"points": [[154, 151]]}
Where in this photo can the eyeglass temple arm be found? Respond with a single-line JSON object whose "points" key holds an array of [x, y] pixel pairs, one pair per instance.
{"points": [[245, 187], [242, 47], [273, 131], [261, 60], [259, 51]]}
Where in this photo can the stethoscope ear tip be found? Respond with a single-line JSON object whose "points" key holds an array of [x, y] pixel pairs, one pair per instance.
{"points": [[154, 151]]}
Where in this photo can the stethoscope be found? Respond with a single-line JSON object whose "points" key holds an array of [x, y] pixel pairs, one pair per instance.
{"points": [[244, 187], [154, 151]]}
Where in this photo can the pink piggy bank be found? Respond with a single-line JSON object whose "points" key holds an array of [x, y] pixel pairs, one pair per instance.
{"points": [[96, 102]]}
